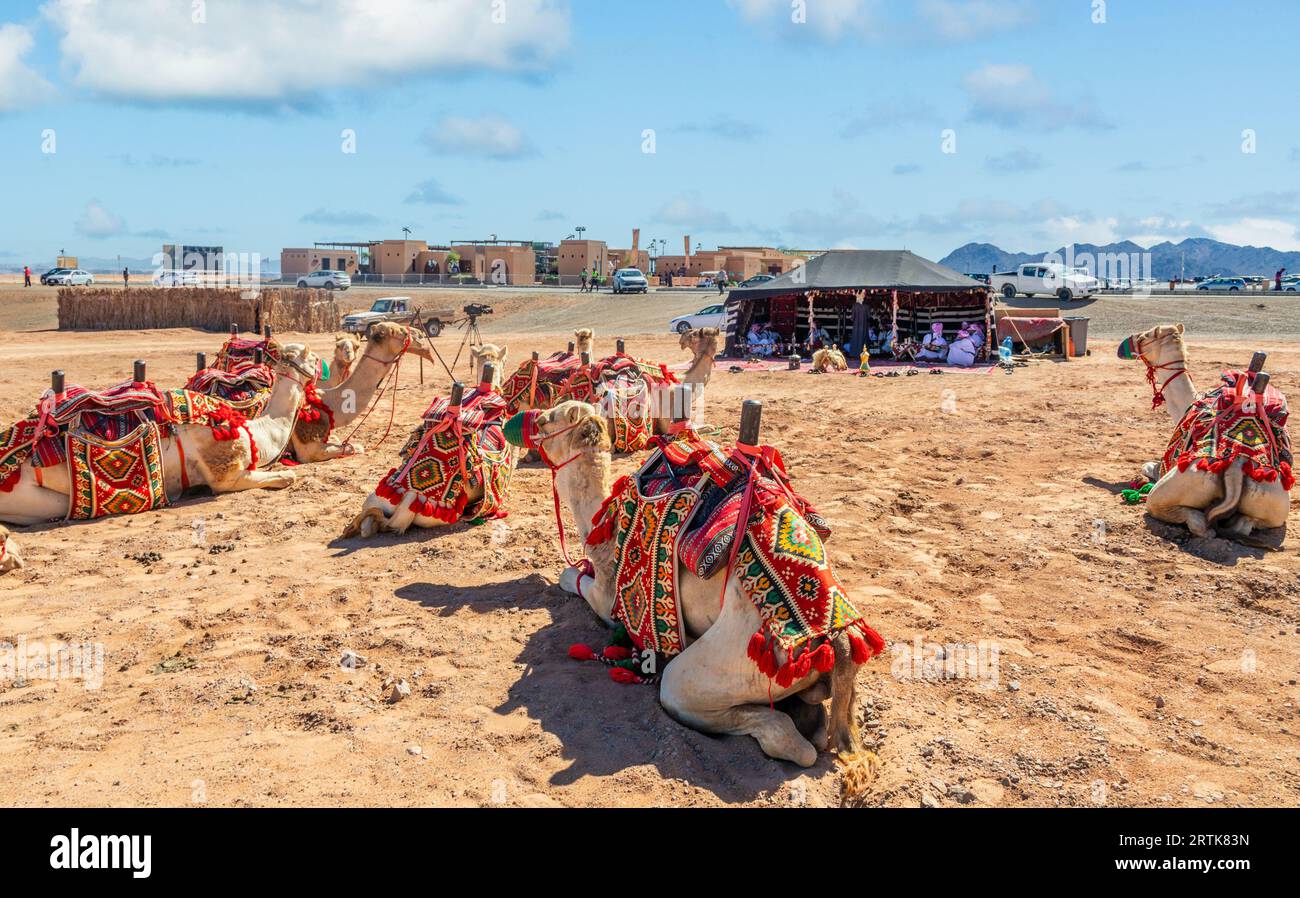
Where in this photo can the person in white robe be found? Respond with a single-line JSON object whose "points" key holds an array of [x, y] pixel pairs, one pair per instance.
{"points": [[934, 348]]}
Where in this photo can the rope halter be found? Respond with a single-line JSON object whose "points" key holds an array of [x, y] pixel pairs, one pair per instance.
{"points": [[1135, 347]]}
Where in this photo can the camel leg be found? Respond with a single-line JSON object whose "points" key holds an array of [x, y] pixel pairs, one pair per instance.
{"points": [[313, 453], [574, 581], [255, 480], [1238, 526], [1192, 518], [30, 504], [714, 687], [1151, 471], [1164, 503]]}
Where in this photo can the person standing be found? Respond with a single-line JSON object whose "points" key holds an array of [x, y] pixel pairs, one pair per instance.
{"points": [[126, 277], [722, 282], [1277, 279], [584, 280], [27, 275]]}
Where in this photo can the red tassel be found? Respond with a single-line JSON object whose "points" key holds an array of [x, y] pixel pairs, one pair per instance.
{"points": [[7, 485], [824, 658], [617, 653], [803, 666], [875, 641], [580, 652], [861, 651], [785, 676], [768, 665], [622, 675], [757, 643]]}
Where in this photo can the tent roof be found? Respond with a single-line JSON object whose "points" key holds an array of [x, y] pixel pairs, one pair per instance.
{"points": [[857, 269]]}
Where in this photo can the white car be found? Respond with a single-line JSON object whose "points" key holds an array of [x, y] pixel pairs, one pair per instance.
{"points": [[330, 280], [1045, 279], [172, 278], [71, 277], [709, 316], [630, 280]]}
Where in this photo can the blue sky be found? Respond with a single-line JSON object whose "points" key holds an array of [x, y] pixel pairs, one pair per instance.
{"points": [[222, 122]]}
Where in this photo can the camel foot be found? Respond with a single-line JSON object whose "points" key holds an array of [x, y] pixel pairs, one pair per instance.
{"points": [[569, 580], [1151, 471]]}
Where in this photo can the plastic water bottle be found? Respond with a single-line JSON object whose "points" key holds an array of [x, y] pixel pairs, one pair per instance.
{"points": [[1004, 351]]}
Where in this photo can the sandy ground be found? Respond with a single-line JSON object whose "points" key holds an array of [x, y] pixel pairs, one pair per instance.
{"points": [[1135, 666]]}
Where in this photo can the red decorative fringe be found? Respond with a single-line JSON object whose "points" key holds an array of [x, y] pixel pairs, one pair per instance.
{"points": [[7, 485], [314, 409], [580, 652], [623, 675], [606, 519], [420, 506], [617, 653]]}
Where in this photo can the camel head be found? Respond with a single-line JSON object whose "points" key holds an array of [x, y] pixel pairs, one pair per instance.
{"points": [[570, 429], [584, 338], [1162, 345], [11, 557], [294, 359], [488, 353], [702, 342], [388, 341], [829, 360], [346, 350]]}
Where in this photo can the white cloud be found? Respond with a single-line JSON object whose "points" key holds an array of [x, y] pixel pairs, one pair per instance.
{"points": [[98, 223], [1015, 161], [20, 85], [826, 19], [965, 20], [282, 50], [490, 136], [889, 115], [431, 193], [1269, 232], [1011, 96]]}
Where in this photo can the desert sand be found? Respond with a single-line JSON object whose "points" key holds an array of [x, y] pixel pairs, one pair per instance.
{"points": [[1135, 665]]}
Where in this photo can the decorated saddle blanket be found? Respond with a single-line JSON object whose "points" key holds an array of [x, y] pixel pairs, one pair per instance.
{"points": [[451, 455], [247, 388], [107, 417], [238, 353], [1221, 427], [122, 476], [680, 506], [623, 388], [537, 384]]}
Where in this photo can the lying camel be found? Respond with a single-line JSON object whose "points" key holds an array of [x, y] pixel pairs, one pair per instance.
{"points": [[713, 686], [488, 354], [1193, 497], [825, 360], [387, 344], [11, 556], [346, 349], [201, 459]]}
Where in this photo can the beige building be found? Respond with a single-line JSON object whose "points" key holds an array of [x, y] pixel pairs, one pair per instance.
{"points": [[304, 261], [396, 256], [741, 262], [575, 255], [498, 263]]}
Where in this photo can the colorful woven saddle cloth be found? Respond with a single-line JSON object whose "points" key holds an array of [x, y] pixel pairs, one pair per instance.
{"points": [[247, 388], [623, 389], [237, 353], [451, 456], [123, 476], [107, 417], [686, 489], [537, 384], [1223, 426]]}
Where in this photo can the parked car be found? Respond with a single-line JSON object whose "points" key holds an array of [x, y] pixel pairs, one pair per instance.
{"points": [[397, 309], [330, 280], [709, 316], [630, 280], [757, 279], [1045, 279], [45, 278], [173, 278], [71, 277], [1232, 285]]}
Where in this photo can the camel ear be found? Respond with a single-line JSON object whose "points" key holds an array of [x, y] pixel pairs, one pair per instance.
{"points": [[505, 351], [573, 413], [1178, 328]]}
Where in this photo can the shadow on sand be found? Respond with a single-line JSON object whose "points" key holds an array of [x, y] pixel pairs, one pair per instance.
{"points": [[603, 726]]}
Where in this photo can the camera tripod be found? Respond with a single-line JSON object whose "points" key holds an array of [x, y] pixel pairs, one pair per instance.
{"points": [[473, 337]]}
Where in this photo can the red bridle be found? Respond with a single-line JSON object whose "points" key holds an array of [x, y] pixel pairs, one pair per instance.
{"points": [[1177, 366], [539, 443]]}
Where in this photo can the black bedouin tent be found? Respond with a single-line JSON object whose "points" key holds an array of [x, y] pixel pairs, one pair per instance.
{"points": [[852, 293]]}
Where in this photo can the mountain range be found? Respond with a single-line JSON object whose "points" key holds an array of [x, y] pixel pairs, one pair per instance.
{"points": [[1193, 257]]}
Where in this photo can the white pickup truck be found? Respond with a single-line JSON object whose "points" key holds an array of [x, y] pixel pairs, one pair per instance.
{"points": [[1045, 278]]}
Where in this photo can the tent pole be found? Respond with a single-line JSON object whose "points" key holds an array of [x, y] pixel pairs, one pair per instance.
{"points": [[893, 327]]}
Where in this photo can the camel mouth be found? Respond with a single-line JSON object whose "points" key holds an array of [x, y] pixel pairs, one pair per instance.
{"points": [[1126, 351]]}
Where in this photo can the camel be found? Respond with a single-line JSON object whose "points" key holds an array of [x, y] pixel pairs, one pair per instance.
{"points": [[1195, 498], [346, 349], [350, 399], [713, 686], [488, 354], [584, 339], [702, 343], [832, 359], [200, 460], [11, 556]]}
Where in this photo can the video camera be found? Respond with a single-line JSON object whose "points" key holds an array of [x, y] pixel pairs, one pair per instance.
{"points": [[474, 310]]}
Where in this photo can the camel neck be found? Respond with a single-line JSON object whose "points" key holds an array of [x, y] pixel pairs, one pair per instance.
{"points": [[583, 486], [350, 398], [1180, 392], [272, 431], [700, 370]]}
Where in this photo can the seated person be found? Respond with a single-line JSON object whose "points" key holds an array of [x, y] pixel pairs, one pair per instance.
{"points": [[963, 350], [761, 341], [879, 339], [934, 348], [819, 338]]}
